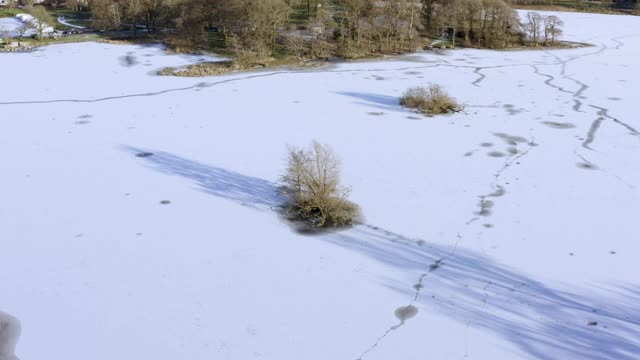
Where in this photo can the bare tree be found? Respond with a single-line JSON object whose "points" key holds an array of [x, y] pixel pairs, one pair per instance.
{"points": [[352, 12], [260, 23], [470, 17], [534, 27], [429, 11], [132, 11], [42, 20], [552, 29], [312, 181], [106, 14], [485, 23]]}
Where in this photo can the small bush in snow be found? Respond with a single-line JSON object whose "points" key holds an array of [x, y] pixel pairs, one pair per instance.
{"points": [[312, 183], [432, 100]]}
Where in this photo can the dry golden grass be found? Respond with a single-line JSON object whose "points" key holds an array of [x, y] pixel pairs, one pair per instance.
{"points": [[432, 100]]}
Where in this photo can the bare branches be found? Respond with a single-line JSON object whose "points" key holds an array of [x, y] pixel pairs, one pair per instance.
{"points": [[312, 182], [542, 30]]}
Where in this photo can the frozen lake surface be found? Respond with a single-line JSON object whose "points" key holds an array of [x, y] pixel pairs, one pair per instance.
{"points": [[508, 231], [9, 25]]}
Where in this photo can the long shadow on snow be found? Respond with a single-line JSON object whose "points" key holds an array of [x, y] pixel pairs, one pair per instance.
{"points": [[230, 185], [381, 102], [545, 323]]}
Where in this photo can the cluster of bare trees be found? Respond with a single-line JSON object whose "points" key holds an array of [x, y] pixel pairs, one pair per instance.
{"points": [[377, 26], [482, 23], [266, 28], [246, 24], [115, 14], [542, 30]]}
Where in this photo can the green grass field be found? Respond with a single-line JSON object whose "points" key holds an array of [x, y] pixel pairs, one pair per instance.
{"points": [[62, 40], [82, 18], [4, 12]]}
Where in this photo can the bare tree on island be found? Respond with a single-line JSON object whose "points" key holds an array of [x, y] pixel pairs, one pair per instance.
{"points": [[312, 182]]}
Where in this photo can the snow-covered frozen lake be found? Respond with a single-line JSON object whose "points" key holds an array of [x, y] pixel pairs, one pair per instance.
{"points": [[9, 26], [512, 227]]}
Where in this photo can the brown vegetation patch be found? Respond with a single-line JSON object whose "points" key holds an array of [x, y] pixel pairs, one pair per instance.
{"points": [[312, 183], [432, 100]]}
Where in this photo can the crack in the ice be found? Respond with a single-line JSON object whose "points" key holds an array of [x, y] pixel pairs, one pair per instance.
{"points": [[439, 263], [582, 87], [260, 75], [480, 78], [148, 94], [549, 80], [375, 345], [593, 130], [604, 112], [588, 164], [418, 286], [619, 44]]}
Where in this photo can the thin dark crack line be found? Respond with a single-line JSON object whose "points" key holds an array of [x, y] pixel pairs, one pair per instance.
{"points": [[593, 130], [596, 167], [481, 77], [418, 289], [602, 113], [549, 80], [149, 94], [605, 113], [577, 95], [261, 75], [419, 285]]}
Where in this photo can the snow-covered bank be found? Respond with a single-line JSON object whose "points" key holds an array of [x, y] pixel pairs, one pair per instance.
{"points": [[11, 26], [64, 22], [511, 228], [35, 23]]}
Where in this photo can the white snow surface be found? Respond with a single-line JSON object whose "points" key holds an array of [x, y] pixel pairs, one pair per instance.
{"points": [[63, 21], [95, 267], [10, 26], [29, 19]]}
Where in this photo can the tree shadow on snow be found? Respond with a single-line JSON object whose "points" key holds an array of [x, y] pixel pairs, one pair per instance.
{"points": [[226, 184], [542, 321], [377, 101]]}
